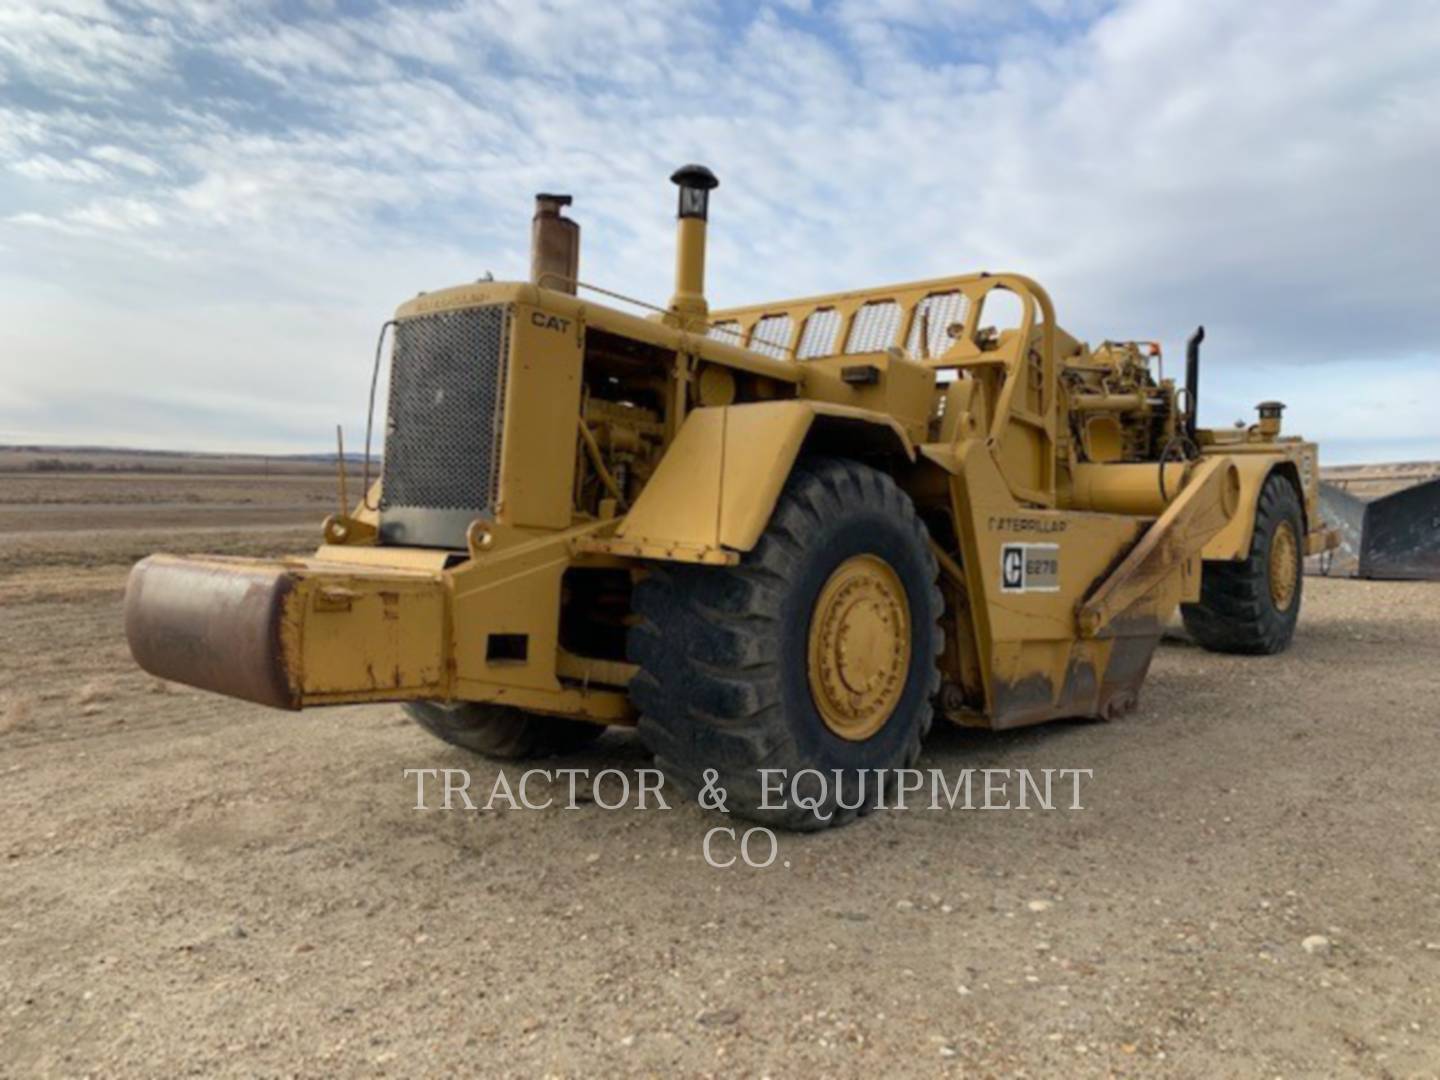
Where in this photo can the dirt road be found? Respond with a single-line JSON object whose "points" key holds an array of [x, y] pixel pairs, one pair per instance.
{"points": [[190, 885]]}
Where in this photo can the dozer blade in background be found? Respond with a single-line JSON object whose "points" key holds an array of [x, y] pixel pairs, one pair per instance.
{"points": [[1345, 513], [1401, 536]]}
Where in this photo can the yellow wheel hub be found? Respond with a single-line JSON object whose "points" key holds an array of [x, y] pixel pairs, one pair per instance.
{"points": [[859, 650], [1284, 566]]}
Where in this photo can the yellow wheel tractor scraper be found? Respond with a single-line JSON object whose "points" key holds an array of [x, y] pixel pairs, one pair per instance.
{"points": [[781, 536]]}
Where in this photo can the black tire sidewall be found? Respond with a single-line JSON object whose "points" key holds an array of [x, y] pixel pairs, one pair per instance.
{"points": [[862, 532], [1283, 508], [501, 732]]}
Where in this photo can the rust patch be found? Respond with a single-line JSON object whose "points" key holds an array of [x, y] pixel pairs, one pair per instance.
{"points": [[1135, 641], [213, 625], [1033, 700]]}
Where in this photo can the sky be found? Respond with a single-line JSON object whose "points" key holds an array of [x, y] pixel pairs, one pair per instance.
{"points": [[207, 209]]}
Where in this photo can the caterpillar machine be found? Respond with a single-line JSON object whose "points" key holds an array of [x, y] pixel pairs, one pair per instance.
{"points": [[783, 536]]}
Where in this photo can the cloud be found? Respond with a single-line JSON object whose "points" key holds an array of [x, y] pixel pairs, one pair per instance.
{"points": [[45, 167], [127, 159], [1264, 169], [80, 44], [115, 215]]}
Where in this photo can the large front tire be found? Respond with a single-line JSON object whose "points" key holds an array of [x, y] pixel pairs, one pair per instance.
{"points": [[818, 651], [501, 731], [1251, 606]]}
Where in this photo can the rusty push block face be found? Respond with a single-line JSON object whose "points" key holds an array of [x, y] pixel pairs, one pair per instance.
{"points": [[287, 633]]}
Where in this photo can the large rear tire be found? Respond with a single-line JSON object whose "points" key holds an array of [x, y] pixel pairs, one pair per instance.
{"points": [[501, 731], [818, 651], [1251, 606]]}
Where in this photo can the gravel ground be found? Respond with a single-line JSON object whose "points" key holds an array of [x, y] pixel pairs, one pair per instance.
{"points": [[190, 885]]}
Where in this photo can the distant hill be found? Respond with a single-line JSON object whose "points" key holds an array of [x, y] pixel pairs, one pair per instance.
{"points": [[1372, 481], [1366, 481], [109, 459]]}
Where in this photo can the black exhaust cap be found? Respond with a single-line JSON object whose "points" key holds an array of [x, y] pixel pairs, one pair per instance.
{"points": [[1192, 381], [695, 182]]}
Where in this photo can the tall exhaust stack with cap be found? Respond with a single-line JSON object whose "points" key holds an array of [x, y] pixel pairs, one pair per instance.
{"points": [[688, 307], [554, 245]]}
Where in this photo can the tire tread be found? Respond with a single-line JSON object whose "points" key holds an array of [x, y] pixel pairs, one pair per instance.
{"points": [[502, 732], [707, 642], [1234, 613]]}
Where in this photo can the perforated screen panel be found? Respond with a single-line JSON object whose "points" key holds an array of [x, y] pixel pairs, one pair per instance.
{"points": [[726, 332], [818, 336], [771, 335], [874, 327], [442, 444], [930, 327]]}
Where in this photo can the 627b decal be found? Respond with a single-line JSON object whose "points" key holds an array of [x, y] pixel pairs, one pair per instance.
{"points": [[1030, 568]]}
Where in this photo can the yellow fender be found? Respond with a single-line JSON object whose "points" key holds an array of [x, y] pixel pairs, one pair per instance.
{"points": [[1233, 541], [717, 484]]}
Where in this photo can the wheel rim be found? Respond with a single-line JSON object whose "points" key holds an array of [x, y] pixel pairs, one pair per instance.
{"points": [[1284, 566], [859, 648]]}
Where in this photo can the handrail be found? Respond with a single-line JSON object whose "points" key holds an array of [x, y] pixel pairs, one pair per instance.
{"points": [[908, 297], [577, 283], [588, 287]]}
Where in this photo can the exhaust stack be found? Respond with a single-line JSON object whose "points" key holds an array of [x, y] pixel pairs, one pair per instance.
{"points": [[554, 245], [1192, 381], [688, 307]]}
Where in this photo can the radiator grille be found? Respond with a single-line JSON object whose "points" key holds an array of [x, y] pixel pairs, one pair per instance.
{"points": [[442, 443]]}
